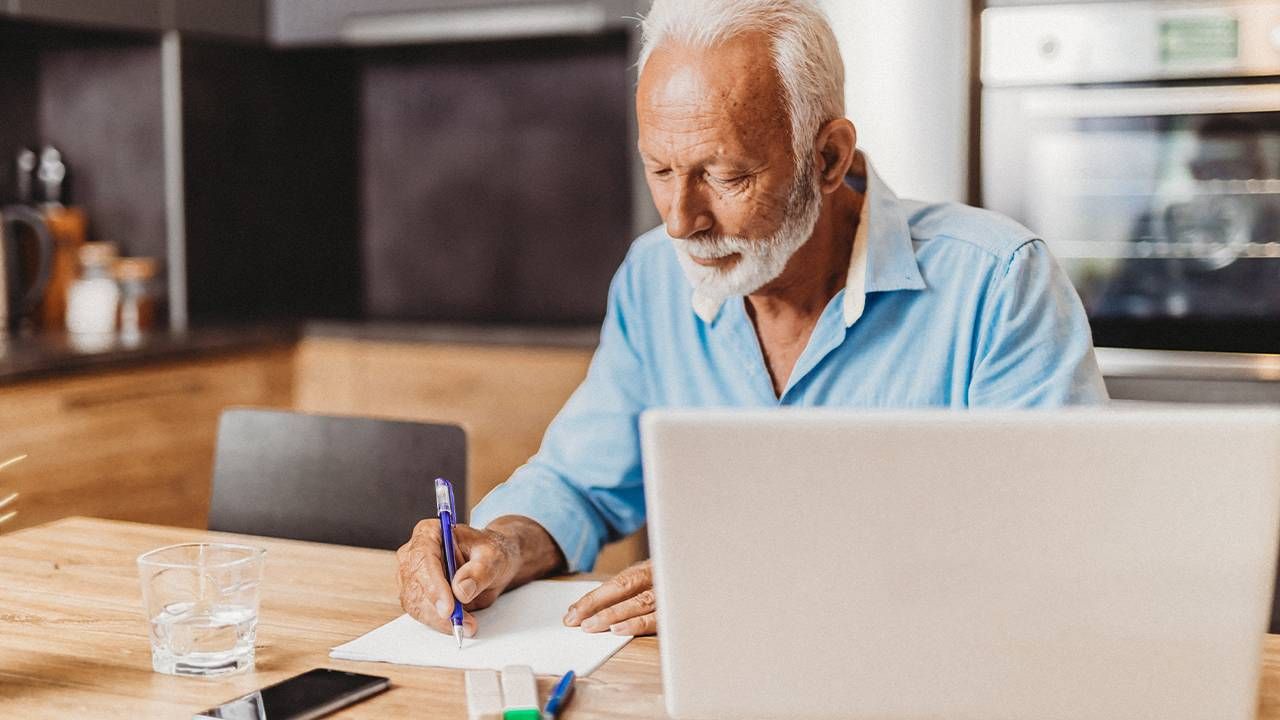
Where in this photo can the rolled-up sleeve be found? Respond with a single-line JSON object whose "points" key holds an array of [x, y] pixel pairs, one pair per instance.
{"points": [[584, 485], [1035, 348]]}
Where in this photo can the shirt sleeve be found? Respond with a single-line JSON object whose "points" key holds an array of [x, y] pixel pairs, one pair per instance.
{"points": [[584, 485], [1035, 348]]}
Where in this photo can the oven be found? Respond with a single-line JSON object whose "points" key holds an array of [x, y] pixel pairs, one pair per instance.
{"points": [[1141, 140]]}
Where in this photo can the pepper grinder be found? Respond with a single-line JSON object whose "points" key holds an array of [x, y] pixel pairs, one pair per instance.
{"points": [[25, 164], [67, 224]]}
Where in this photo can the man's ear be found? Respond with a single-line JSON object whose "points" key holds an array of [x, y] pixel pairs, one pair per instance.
{"points": [[836, 144]]}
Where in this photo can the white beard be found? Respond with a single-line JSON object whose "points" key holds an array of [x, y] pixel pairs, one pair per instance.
{"points": [[760, 261]]}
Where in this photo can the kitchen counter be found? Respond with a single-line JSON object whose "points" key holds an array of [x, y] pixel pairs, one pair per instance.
{"points": [[575, 337], [61, 354]]}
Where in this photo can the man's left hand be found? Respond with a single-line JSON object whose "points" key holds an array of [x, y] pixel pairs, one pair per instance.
{"points": [[624, 604]]}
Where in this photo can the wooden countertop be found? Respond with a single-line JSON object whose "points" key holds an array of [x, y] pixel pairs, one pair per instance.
{"points": [[61, 354], [73, 639], [578, 337]]}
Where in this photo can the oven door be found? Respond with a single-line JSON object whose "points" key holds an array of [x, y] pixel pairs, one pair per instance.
{"points": [[1161, 201]]}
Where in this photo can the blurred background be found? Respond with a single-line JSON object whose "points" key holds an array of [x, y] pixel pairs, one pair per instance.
{"points": [[413, 208]]}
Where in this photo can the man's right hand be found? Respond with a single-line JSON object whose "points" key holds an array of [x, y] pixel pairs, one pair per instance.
{"points": [[510, 552]]}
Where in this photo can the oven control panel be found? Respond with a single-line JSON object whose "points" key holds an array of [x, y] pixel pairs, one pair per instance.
{"points": [[1129, 42]]}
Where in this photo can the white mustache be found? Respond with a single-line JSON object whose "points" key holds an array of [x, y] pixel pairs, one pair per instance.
{"points": [[716, 248]]}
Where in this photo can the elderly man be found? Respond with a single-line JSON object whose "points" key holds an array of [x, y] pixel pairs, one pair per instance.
{"points": [[787, 274]]}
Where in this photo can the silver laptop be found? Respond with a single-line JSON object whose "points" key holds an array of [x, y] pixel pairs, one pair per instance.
{"points": [[1099, 564]]}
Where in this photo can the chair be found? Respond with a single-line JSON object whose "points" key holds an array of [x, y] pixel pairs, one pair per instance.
{"points": [[342, 480]]}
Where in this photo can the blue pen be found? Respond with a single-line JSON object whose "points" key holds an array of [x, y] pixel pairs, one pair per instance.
{"points": [[444, 511], [559, 696]]}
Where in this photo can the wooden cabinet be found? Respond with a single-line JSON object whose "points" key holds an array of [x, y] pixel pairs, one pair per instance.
{"points": [[129, 444], [504, 396], [138, 444]]}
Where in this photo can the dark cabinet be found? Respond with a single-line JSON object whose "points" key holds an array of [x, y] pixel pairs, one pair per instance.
{"points": [[292, 23], [141, 15], [241, 19]]}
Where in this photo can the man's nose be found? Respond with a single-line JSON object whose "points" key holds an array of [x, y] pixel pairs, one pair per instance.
{"points": [[688, 214]]}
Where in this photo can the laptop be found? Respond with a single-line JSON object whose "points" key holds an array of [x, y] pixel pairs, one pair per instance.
{"points": [[1088, 563]]}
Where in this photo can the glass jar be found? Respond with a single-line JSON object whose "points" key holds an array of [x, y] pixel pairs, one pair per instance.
{"points": [[137, 305]]}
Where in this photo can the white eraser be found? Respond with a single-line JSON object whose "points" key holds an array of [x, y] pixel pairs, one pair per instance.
{"points": [[519, 687], [484, 695]]}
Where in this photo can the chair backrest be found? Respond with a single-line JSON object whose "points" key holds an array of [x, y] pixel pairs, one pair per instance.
{"points": [[343, 480]]}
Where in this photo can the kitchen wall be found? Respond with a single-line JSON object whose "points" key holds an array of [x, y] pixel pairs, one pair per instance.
{"points": [[494, 179], [476, 181], [272, 184], [96, 97], [907, 85]]}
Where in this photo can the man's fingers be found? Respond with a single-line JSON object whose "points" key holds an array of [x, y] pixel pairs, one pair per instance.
{"points": [[485, 568], [424, 591], [633, 607], [625, 584], [643, 625], [413, 600]]}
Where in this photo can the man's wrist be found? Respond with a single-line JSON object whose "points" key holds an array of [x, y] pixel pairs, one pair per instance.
{"points": [[537, 554]]}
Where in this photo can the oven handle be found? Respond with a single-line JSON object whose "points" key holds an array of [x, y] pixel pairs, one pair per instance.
{"points": [[1187, 365], [1072, 103]]}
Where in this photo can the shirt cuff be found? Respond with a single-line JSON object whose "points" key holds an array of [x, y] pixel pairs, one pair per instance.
{"points": [[555, 506]]}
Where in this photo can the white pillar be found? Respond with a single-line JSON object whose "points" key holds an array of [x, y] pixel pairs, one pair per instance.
{"points": [[907, 90]]}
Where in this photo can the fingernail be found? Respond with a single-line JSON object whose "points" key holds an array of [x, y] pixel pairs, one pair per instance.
{"points": [[467, 590], [614, 628], [591, 623], [468, 630], [444, 607], [571, 617]]}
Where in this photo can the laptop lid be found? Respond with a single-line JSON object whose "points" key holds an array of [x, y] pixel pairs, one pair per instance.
{"points": [[1100, 564]]}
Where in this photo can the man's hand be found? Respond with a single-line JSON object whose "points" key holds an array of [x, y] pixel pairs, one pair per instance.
{"points": [[624, 604], [512, 551]]}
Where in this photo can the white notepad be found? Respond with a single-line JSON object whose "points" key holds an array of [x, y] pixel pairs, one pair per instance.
{"points": [[522, 627]]}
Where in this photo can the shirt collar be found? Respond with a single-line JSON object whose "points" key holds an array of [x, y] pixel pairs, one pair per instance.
{"points": [[883, 258]]}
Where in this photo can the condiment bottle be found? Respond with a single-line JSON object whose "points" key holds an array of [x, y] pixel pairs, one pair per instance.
{"points": [[93, 299], [137, 307]]}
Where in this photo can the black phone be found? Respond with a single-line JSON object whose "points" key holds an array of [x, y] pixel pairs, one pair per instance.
{"points": [[312, 694]]}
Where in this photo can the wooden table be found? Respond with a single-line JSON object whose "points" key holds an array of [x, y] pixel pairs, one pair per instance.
{"points": [[73, 637]]}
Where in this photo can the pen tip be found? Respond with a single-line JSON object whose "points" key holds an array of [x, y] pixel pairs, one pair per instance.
{"points": [[457, 633]]}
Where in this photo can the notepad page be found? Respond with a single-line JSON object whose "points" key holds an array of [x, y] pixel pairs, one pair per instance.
{"points": [[522, 627]]}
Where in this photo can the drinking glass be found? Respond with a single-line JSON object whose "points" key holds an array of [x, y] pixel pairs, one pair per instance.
{"points": [[202, 602]]}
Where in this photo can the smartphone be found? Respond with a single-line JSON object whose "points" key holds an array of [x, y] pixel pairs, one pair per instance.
{"points": [[312, 694]]}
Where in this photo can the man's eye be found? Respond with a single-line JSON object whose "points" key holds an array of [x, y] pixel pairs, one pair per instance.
{"points": [[660, 172], [730, 181]]}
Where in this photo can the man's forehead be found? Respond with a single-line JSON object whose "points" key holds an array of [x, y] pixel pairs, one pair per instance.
{"points": [[733, 85]]}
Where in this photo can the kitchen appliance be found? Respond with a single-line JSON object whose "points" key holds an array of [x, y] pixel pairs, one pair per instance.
{"points": [[26, 257], [1142, 141]]}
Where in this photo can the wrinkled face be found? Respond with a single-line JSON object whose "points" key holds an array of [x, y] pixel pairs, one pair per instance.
{"points": [[715, 138]]}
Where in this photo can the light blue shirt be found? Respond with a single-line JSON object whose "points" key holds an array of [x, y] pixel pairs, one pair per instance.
{"points": [[945, 306]]}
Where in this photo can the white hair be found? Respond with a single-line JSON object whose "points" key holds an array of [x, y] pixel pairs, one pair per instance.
{"points": [[806, 55]]}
